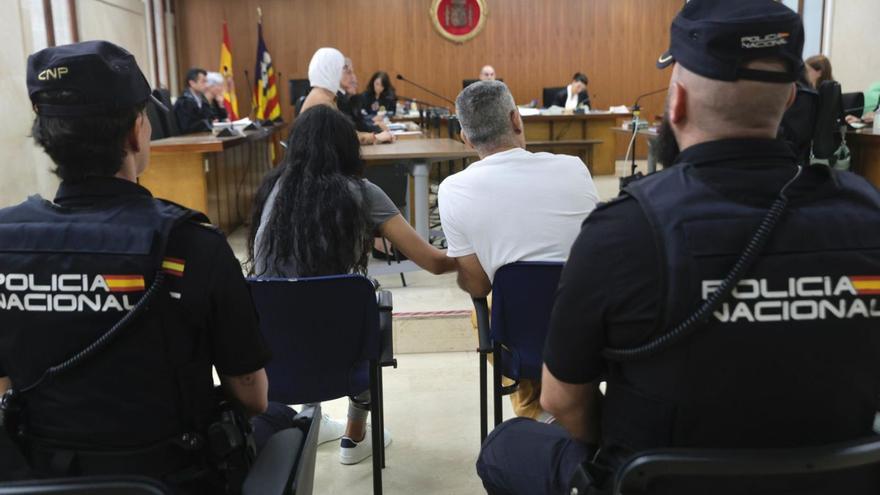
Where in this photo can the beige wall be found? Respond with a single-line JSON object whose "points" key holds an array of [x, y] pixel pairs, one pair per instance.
{"points": [[123, 22], [852, 42], [24, 169]]}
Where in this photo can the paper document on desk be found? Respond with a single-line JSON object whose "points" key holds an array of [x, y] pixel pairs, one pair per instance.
{"points": [[527, 111], [241, 123], [406, 133], [619, 109]]}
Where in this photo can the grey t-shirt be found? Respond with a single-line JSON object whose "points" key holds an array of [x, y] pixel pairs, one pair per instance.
{"points": [[381, 207]]}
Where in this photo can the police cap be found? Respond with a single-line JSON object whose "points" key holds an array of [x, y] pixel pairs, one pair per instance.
{"points": [[105, 75], [717, 38]]}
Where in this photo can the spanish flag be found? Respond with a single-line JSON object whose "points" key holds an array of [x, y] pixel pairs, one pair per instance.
{"points": [[265, 88], [229, 99], [124, 283], [866, 284], [173, 266]]}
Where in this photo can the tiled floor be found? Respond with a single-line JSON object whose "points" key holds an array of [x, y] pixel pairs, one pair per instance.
{"points": [[431, 401]]}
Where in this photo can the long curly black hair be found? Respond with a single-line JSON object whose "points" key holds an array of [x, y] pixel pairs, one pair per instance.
{"points": [[320, 217]]}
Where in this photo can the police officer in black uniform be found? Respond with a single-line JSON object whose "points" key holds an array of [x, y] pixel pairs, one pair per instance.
{"points": [[114, 306], [789, 357]]}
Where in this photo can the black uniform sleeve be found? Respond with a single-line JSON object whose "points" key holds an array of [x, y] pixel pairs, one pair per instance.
{"points": [[607, 294], [190, 118], [237, 345]]}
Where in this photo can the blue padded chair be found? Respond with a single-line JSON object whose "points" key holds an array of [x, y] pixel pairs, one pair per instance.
{"points": [[96, 485], [522, 299], [330, 337], [849, 467]]}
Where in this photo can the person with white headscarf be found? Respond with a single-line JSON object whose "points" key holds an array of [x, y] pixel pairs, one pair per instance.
{"points": [[327, 69]]}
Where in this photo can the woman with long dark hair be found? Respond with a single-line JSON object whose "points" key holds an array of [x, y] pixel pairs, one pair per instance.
{"points": [[316, 215], [379, 95]]}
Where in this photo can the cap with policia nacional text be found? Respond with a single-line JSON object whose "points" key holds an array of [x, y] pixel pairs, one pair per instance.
{"points": [[104, 75], [717, 38]]}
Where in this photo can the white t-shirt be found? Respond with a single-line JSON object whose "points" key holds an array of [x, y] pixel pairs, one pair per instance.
{"points": [[516, 206]]}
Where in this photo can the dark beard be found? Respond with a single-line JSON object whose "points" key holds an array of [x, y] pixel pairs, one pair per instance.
{"points": [[665, 146]]}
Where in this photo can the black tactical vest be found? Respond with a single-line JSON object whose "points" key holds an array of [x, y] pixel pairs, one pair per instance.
{"points": [[67, 275], [792, 358]]}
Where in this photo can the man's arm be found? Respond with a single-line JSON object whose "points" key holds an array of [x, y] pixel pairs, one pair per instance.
{"points": [[250, 390], [471, 276], [5, 384], [575, 406]]}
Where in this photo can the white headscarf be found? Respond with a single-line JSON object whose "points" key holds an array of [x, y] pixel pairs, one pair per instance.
{"points": [[325, 69]]}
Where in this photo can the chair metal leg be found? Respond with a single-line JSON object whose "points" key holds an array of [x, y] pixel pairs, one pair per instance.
{"points": [[496, 372], [396, 258], [378, 441], [484, 401], [380, 403]]}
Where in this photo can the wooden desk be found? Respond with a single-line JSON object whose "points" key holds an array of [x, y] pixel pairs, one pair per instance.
{"points": [[864, 144], [420, 153], [594, 127], [589, 134], [217, 176]]}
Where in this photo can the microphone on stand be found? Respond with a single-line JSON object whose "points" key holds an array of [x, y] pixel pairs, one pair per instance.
{"points": [[400, 77], [636, 106], [415, 100], [636, 111], [255, 123]]}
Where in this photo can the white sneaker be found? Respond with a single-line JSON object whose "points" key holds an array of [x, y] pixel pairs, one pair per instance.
{"points": [[351, 452], [330, 429]]}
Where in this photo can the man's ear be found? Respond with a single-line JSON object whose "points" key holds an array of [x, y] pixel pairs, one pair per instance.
{"points": [[677, 103], [516, 122], [133, 138], [465, 139]]}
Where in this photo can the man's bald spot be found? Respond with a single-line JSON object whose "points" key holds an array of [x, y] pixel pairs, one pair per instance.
{"points": [[743, 104]]}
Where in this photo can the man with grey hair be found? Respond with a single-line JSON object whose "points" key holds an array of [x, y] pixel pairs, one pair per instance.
{"points": [[214, 87], [511, 205]]}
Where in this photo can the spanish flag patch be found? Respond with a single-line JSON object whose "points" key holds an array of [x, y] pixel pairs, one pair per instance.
{"points": [[865, 285], [124, 283], [173, 266]]}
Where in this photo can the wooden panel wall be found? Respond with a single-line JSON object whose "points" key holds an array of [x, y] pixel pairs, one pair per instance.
{"points": [[531, 43]]}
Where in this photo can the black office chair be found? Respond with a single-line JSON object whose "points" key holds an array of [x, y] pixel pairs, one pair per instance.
{"points": [[153, 113], [827, 135], [297, 108], [798, 124], [168, 119], [298, 88], [549, 94], [853, 103], [852, 468], [97, 485]]}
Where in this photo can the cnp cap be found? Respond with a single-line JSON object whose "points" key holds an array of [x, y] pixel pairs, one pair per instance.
{"points": [[717, 38], [105, 76]]}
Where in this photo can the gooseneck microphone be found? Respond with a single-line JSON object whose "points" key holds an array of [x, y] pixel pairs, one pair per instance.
{"points": [[416, 100], [400, 77], [639, 98]]}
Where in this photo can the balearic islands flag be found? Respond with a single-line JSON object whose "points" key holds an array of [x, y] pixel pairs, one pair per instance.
{"points": [[265, 87]]}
